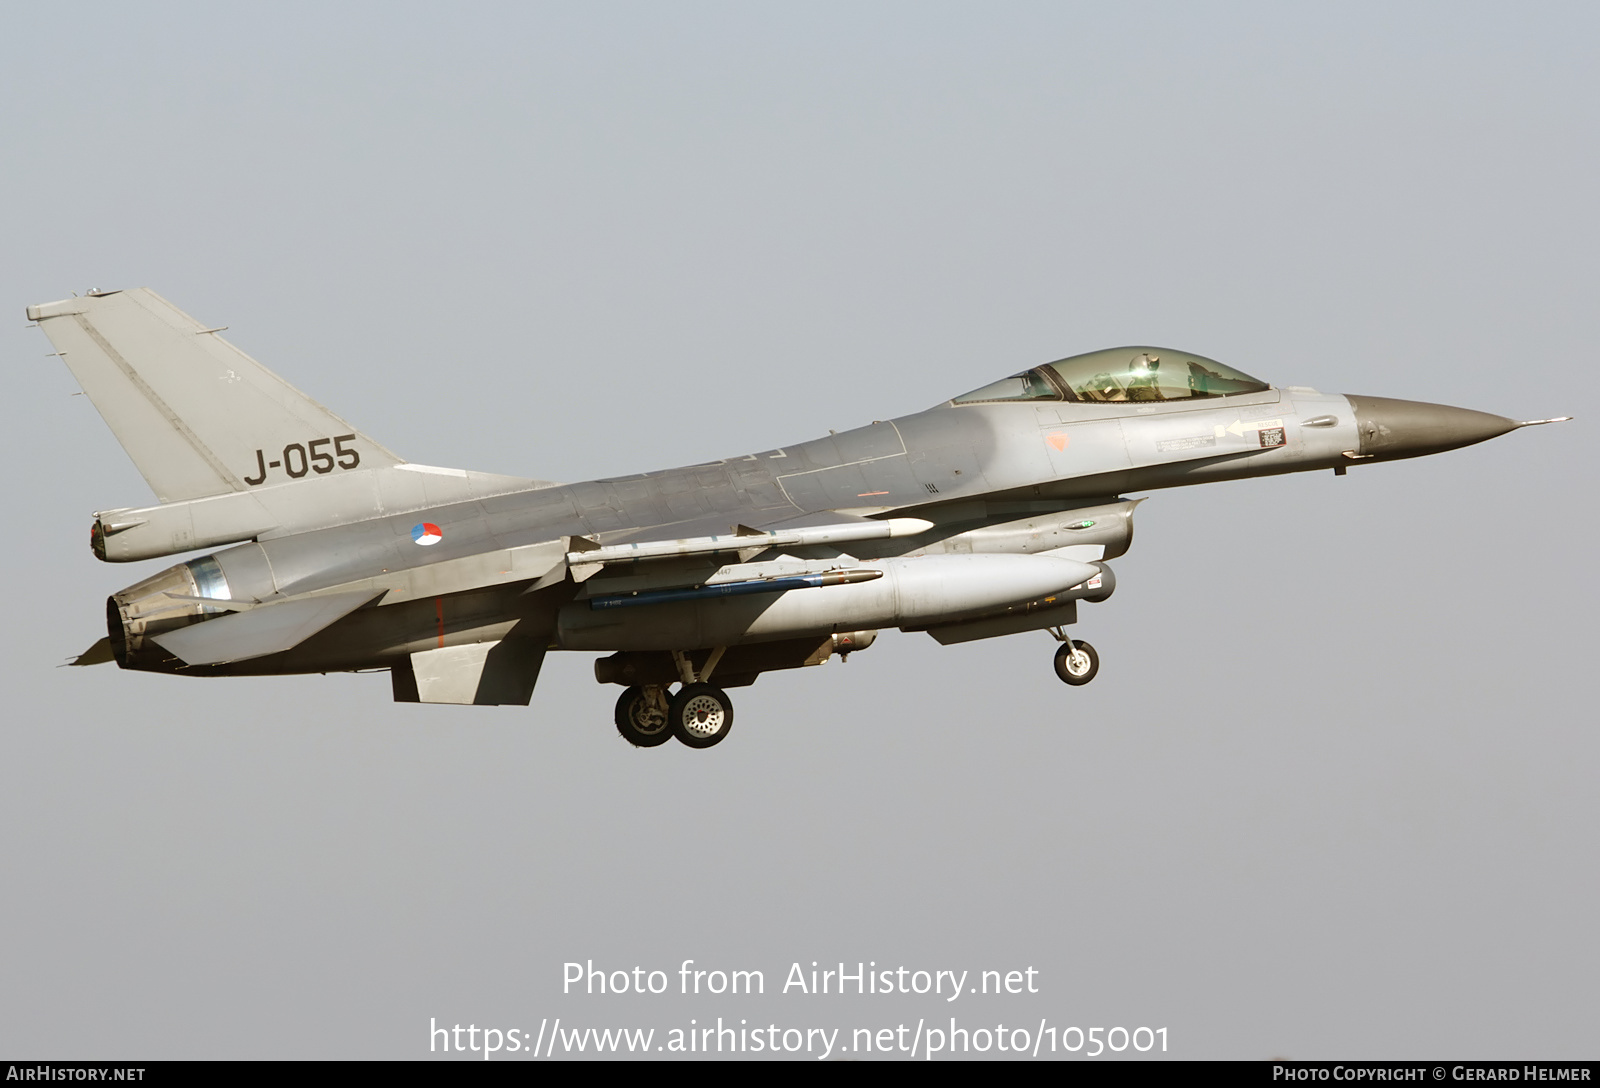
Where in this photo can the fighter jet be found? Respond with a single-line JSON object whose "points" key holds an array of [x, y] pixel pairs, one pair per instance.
{"points": [[992, 513]]}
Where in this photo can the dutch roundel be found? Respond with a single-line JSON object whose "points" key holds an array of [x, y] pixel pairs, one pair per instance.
{"points": [[426, 533]]}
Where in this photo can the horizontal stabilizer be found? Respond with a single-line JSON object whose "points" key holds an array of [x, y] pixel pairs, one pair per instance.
{"points": [[268, 629]]}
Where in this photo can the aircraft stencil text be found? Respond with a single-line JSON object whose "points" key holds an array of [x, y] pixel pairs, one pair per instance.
{"points": [[297, 459], [861, 977], [923, 1039]]}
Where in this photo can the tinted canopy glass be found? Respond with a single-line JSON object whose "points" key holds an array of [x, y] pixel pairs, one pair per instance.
{"points": [[1121, 375]]}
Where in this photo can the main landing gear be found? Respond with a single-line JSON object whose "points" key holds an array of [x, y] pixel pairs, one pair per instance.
{"points": [[700, 715], [1077, 663]]}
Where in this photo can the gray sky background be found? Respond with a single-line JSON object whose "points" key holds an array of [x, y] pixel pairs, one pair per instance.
{"points": [[1333, 793]]}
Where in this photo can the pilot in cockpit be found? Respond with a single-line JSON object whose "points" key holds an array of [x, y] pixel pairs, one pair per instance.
{"points": [[1142, 383]]}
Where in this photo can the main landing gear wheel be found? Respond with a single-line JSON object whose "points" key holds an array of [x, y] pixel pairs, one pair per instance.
{"points": [[641, 720], [701, 715], [1076, 663]]}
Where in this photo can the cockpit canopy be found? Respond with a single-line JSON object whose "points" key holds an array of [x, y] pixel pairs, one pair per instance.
{"points": [[1118, 376]]}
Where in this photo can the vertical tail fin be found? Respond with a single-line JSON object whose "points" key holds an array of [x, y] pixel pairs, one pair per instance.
{"points": [[198, 416]]}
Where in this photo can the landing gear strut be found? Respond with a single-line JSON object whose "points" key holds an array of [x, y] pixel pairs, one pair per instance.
{"points": [[1076, 662]]}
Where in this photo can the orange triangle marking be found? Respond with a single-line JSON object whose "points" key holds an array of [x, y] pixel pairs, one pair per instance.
{"points": [[1057, 440]]}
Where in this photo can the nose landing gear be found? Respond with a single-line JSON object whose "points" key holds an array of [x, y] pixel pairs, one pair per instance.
{"points": [[1077, 663]]}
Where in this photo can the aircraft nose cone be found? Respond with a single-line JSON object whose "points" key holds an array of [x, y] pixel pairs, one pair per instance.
{"points": [[1390, 429]]}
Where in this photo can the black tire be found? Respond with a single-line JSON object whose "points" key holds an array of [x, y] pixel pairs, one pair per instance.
{"points": [[639, 724], [1070, 663], [702, 715]]}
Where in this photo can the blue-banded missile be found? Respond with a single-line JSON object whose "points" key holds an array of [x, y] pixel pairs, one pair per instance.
{"points": [[736, 589]]}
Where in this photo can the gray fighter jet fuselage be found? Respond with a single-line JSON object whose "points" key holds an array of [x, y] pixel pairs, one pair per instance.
{"points": [[990, 514]]}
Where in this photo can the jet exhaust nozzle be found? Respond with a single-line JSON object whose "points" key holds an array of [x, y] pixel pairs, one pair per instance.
{"points": [[163, 602]]}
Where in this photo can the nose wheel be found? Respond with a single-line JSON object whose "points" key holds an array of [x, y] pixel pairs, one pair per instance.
{"points": [[1076, 662]]}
